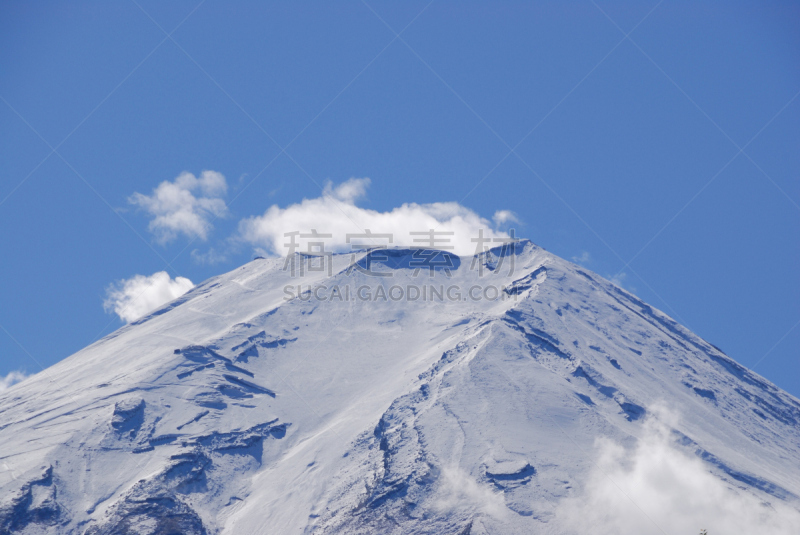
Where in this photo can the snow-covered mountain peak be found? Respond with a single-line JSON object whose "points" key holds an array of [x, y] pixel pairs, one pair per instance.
{"points": [[388, 390]]}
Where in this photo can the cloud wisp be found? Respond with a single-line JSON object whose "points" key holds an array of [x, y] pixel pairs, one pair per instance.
{"points": [[11, 379], [658, 488], [583, 259], [335, 213], [130, 299], [186, 206], [505, 217], [460, 491]]}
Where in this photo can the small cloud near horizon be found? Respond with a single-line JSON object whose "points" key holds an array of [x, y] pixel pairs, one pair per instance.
{"points": [[335, 213], [130, 299]]}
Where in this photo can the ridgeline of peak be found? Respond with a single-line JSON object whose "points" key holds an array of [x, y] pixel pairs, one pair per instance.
{"points": [[380, 391]]}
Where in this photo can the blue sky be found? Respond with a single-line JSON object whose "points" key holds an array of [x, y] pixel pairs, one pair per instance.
{"points": [[656, 142]]}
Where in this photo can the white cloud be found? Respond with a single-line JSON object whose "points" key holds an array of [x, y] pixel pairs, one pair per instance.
{"points": [[210, 257], [658, 488], [584, 259], [11, 379], [336, 213], [186, 206], [348, 191], [620, 279], [501, 217], [132, 298], [460, 491]]}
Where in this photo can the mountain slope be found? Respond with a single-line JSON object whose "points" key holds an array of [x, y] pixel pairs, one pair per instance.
{"points": [[235, 409]]}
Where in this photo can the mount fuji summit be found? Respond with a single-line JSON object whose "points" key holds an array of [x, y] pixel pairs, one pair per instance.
{"points": [[506, 392]]}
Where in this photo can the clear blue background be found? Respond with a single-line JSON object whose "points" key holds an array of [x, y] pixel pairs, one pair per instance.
{"points": [[621, 135]]}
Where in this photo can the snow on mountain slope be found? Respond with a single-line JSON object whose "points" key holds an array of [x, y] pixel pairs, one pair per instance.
{"points": [[236, 410]]}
